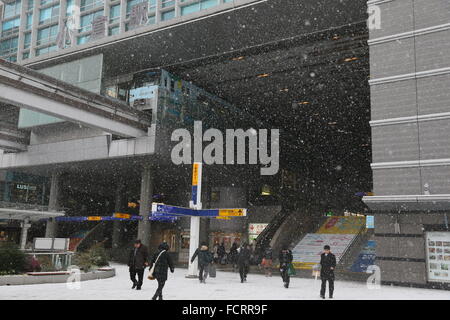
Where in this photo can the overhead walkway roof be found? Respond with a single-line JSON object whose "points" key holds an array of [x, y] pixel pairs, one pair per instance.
{"points": [[29, 89]]}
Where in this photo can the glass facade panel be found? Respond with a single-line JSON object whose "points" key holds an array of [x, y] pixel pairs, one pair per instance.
{"points": [[27, 40], [48, 15], [10, 26], [86, 20], [90, 4], [9, 46], [47, 35], [114, 14], [12, 9], [167, 15]]}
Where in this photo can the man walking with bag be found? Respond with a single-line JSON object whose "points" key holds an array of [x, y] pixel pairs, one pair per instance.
{"points": [[285, 258], [161, 261], [137, 262], [327, 263]]}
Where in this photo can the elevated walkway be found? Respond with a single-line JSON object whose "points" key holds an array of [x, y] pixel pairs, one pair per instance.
{"points": [[29, 89]]}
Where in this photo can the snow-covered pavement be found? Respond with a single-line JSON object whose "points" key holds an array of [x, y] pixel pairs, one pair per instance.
{"points": [[226, 286]]}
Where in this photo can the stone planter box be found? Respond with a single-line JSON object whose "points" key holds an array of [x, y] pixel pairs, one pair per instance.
{"points": [[54, 277]]}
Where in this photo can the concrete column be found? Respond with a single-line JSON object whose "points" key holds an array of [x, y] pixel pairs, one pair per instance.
{"points": [[53, 205], [117, 225], [24, 233], [145, 204]]}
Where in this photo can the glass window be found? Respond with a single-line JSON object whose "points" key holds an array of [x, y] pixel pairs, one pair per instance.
{"points": [[27, 40], [114, 30], [25, 55], [12, 9], [48, 15], [29, 21], [90, 4], [44, 2], [114, 13], [10, 26], [70, 6], [48, 49], [9, 46], [83, 39], [200, 5], [86, 20], [167, 15], [167, 3], [47, 35], [30, 4]]}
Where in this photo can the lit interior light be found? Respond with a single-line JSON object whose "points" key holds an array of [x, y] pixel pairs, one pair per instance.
{"points": [[238, 58], [350, 59], [304, 102], [264, 75]]}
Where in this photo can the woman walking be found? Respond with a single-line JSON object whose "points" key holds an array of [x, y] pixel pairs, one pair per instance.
{"points": [[162, 261]]}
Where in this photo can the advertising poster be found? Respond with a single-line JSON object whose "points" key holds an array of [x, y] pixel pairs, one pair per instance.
{"points": [[308, 250], [438, 256], [343, 225]]}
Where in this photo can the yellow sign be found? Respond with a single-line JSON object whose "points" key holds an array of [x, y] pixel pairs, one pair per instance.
{"points": [[223, 218], [232, 212], [94, 218], [195, 174], [343, 225], [122, 215]]}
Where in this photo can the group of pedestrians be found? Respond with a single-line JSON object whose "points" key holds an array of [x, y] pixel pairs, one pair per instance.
{"points": [[161, 262]]}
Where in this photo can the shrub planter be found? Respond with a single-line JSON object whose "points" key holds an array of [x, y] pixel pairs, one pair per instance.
{"points": [[54, 277]]}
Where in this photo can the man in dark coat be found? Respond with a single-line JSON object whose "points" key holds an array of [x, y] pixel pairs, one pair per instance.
{"points": [[233, 255], [328, 264], [137, 262], [243, 261], [285, 258], [160, 272], [221, 253], [204, 259]]}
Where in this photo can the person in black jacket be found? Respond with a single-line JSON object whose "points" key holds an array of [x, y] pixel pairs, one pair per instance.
{"points": [[221, 252], [243, 261], [285, 258], [160, 272], [327, 263], [232, 257], [137, 262], [204, 259]]}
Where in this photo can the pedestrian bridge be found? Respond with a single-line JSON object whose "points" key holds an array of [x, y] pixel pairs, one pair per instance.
{"points": [[29, 89]]}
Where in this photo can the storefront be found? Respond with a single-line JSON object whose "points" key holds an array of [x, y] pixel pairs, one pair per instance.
{"points": [[23, 188], [226, 238]]}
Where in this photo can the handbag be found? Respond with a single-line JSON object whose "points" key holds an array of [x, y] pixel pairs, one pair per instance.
{"points": [[291, 270], [150, 274]]}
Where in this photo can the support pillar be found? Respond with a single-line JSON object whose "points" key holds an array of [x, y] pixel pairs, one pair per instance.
{"points": [[145, 205], [53, 205], [117, 225], [24, 233]]}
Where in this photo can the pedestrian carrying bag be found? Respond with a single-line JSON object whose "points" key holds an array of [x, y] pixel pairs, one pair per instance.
{"points": [[212, 271], [291, 270], [150, 274]]}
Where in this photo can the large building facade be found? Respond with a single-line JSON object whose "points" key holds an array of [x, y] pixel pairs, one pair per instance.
{"points": [[30, 28], [410, 75]]}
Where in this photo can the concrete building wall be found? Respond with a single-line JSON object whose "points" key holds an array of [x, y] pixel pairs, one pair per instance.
{"points": [[410, 102]]}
